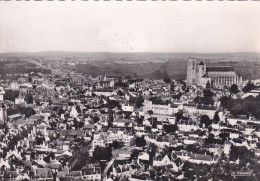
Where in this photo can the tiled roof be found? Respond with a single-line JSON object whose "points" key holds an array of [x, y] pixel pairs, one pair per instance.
{"points": [[219, 69], [200, 157]]}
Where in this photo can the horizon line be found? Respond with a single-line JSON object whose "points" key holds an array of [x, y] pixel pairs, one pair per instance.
{"points": [[128, 52]]}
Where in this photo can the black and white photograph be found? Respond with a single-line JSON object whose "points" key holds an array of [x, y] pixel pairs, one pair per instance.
{"points": [[129, 90]]}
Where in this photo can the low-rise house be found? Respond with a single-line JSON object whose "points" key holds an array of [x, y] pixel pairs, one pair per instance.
{"points": [[39, 174], [124, 171], [105, 92], [197, 158], [123, 123], [188, 125], [158, 108], [91, 173]]}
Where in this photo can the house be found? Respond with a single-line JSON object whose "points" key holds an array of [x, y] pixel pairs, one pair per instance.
{"points": [[91, 173], [158, 108], [143, 157], [187, 125], [105, 92], [200, 109], [127, 108], [197, 158], [42, 174], [106, 83], [122, 123], [162, 160], [138, 177], [74, 112], [124, 171], [2, 93], [4, 164], [11, 175]]}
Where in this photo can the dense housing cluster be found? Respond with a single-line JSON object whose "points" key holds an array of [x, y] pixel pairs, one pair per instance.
{"points": [[63, 125]]}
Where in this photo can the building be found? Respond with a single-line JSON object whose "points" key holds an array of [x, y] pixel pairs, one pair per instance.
{"points": [[3, 114], [159, 108], [2, 93], [215, 76]]}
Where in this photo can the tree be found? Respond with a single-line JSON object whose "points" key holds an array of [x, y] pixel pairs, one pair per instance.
{"points": [[224, 136], [249, 107], [234, 89], [154, 150], [82, 161], [208, 85], [172, 87], [150, 112], [10, 95], [30, 79], [134, 154], [139, 101], [117, 145], [120, 93], [204, 119], [78, 108], [140, 141], [182, 82], [95, 119], [240, 152], [235, 107], [121, 84], [208, 93], [29, 111], [177, 96], [224, 101], [38, 103], [29, 98], [216, 117], [178, 116], [203, 100], [101, 153], [50, 102], [170, 128], [167, 80], [139, 120], [111, 104], [248, 87], [154, 122]]}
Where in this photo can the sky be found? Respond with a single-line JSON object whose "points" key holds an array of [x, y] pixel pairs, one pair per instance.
{"points": [[199, 27]]}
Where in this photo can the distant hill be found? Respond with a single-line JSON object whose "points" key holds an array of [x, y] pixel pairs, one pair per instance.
{"points": [[137, 56]]}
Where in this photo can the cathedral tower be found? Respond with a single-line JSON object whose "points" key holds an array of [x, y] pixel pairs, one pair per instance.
{"points": [[201, 72], [192, 72]]}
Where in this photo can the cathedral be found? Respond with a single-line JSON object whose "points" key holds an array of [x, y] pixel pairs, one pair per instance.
{"points": [[215, 76]]}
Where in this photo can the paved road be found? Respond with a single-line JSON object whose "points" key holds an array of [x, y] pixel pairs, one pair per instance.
{"points": [[110, 163]]}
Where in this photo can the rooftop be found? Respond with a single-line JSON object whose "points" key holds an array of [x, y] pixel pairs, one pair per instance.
{"points": [[219, 69]]}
